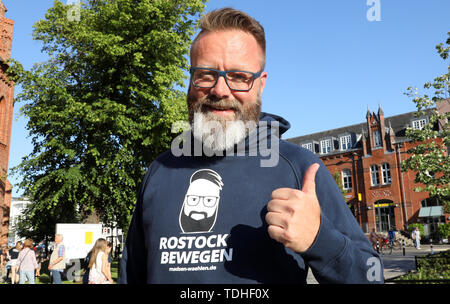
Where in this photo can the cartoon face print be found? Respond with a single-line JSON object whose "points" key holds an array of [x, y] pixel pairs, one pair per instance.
{"points": [[201, 202]]}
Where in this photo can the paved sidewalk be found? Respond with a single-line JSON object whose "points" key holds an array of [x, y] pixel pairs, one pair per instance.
{"points": [[396, 264]]}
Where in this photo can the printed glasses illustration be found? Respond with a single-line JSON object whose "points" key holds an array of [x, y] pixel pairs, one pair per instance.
{"points": [[206, 78], [208, 201]]}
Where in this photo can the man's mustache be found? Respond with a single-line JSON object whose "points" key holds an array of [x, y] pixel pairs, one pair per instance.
{"points": [[211, 102]]}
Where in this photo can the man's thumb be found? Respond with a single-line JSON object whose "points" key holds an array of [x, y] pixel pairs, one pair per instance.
{"points": [[309, 184]]}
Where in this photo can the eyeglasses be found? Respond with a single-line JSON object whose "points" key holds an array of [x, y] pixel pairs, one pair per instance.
{"points": [[206, 78], [208, 201]]}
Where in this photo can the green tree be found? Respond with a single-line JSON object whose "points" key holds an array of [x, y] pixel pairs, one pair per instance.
{"points": [[413, 226], [430, 159], [444, 230], [100, 109], [338, 179]]}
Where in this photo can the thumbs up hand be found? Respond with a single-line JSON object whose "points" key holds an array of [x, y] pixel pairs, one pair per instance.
{"points": [[294, 215]]}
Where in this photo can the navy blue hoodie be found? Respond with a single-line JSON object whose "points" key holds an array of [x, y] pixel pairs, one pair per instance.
{"points": [[201, 219]]}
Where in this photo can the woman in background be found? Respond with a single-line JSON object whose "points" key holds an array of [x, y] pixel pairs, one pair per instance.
{"points": [[98, 264], [13, 255], [26, 263]]}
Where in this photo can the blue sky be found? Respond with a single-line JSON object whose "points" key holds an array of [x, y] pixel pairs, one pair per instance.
{"points": [[326, 61]]}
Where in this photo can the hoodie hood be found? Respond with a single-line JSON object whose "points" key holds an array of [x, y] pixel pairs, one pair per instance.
{"points": [[284, 125]]}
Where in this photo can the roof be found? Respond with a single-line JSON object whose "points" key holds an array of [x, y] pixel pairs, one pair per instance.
{"points": [[399, 123]]}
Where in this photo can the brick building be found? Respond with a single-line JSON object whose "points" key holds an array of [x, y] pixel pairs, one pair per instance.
{"points": [[366, 159], [6, 116]]}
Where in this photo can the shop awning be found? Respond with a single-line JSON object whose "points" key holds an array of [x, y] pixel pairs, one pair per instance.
{"points": [[431, 211]]}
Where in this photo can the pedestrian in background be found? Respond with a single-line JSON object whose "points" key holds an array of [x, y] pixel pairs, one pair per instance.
{"points": [[4, 258], [98, 272], [108, 252], [26, 262], [415, 235], [392, 235], [13, 255], [57, 262], [374, 237], [87, 260], [39, 259]]}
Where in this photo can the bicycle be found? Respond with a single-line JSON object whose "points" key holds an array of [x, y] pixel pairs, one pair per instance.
{"points": [[386, 246]]}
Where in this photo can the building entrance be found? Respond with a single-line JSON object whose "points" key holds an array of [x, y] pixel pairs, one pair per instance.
{"points": [[384, 215]]}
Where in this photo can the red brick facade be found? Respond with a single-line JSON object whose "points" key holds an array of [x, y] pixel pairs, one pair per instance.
{"points": [[6, 116], [380, 195]]}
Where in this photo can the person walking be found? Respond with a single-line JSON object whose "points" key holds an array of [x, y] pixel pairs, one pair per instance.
{"points": [[98, 263], [108, 253], [39, 259], [57, 262], [87, 259], [4, 258], [26, 263], [13, 255], [415, 235], [392, 237], [374, 237]]}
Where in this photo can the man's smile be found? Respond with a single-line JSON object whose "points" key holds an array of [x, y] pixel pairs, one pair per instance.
{"points": [[221, 111]]}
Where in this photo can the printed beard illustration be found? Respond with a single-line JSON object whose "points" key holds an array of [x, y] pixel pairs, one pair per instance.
{"points": [[201, 202]]}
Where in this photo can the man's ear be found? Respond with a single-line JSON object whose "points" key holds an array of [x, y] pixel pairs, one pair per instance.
{"points": [[262, 82]]}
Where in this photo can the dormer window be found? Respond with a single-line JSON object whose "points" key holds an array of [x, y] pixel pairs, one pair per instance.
{"points": [[308, 146], [346, 142], [325, 146], [419, 123]]}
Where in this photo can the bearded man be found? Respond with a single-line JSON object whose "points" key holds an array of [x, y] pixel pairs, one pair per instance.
{"points": [[273, 223]]}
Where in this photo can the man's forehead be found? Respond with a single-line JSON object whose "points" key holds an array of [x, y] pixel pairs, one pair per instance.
{"points": [[230, 41]]}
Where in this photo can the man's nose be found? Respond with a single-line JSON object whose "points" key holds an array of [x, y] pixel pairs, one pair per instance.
{"points": [[221, 88]]}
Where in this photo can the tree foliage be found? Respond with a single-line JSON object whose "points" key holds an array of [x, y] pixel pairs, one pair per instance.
{"points": [[430, 159], [100, 109]]}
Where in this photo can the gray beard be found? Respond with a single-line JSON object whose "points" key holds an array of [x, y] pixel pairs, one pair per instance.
{"points": [[216, 133], [218, 136]]}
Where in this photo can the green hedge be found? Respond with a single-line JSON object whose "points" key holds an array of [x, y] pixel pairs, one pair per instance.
{"points": [[429, 268]]}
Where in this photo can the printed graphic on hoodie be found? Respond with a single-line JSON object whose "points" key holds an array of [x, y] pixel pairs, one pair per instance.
{"points": [[198, 216], [201, 202]]}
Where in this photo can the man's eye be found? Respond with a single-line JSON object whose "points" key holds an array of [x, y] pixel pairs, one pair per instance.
{"points": [[206, 74]]}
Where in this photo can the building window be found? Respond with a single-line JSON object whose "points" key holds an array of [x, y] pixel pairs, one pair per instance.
{"points": [[346, 180], [377, 139], [325, 146], [386, 173], [346, 142], [419, 124], [375, 178], [308, 146], [430, 202]]}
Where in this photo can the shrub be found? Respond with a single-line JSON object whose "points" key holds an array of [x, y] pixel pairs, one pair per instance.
{"points": [[411, 227], [444, 231]]}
